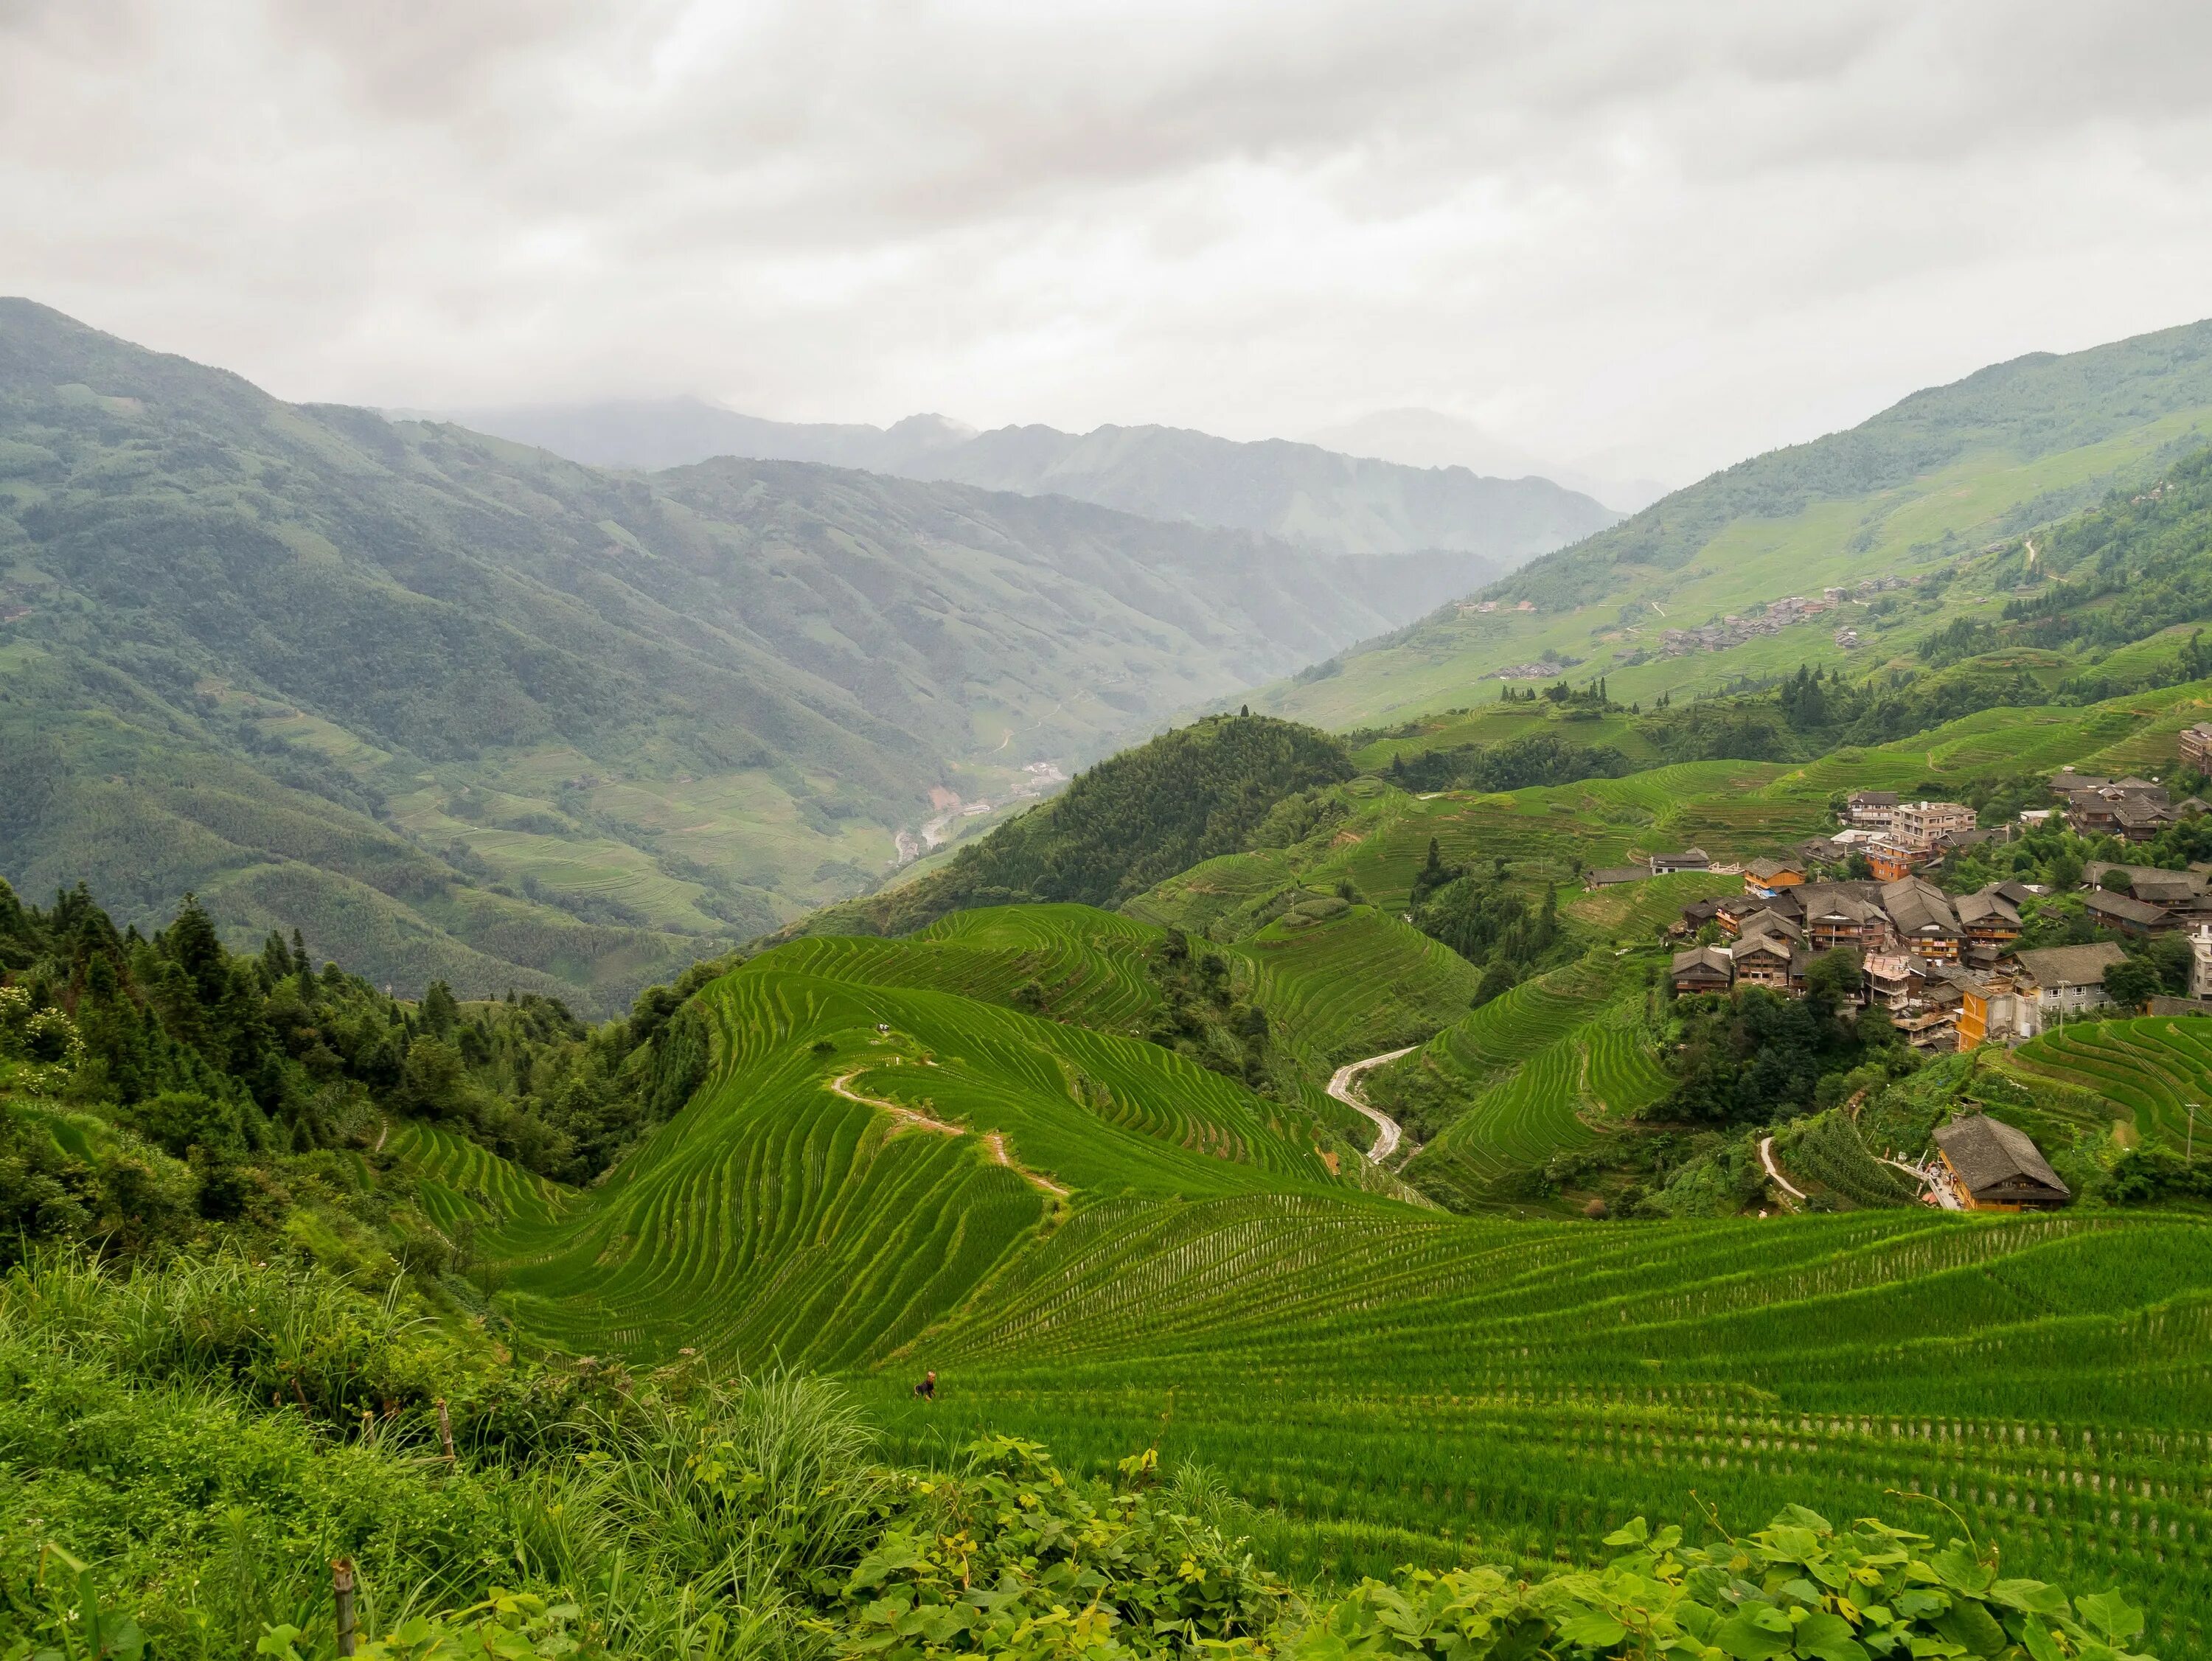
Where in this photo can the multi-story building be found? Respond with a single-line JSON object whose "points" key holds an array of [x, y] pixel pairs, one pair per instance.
{"points": [[1834, 914], [1872, 810], [1894, 979], [1703, 969], [1918, 824], [1892, 860], [1989, 923], [2195, 747], [1989, 1008], [2200, 966]]}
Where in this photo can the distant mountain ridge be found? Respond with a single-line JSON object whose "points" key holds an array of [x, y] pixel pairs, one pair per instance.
{"points": [[499, 717], [1301, 493]]}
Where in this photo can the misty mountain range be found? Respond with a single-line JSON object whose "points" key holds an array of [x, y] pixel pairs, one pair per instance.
{"points": [[1303, 493]]}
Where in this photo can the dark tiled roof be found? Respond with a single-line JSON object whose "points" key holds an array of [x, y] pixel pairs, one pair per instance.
{"points": [[2100, 904], [2070, 966], [1763, 868], [1708, 957], [1986, 906], [1919, 908], [1874, 798], [1773, 923], [1986, 1152]]}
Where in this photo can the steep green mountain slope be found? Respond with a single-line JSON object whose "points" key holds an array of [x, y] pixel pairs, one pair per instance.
{"points": [[1299, 492], [1132, 820], [494, 717], [1906, 495]]}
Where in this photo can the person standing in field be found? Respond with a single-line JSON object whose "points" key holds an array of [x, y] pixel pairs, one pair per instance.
{"points": [[927, 1388]]}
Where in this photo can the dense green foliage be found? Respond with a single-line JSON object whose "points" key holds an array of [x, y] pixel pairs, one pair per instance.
{"points": [[1540, 758], [1131, 821], [193, 1462], [2131, 567], [159, 1090], [1486, 922]]}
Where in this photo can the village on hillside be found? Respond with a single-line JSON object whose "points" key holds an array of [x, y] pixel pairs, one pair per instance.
{"points": [[1949, 967]]}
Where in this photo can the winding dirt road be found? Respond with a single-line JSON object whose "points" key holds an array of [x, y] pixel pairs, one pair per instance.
{"points": [[1340, 1087], [1766, 1158], [995, 1141]]}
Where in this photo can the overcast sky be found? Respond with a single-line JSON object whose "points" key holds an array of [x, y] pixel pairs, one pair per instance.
{"points": [[1647, 238]]}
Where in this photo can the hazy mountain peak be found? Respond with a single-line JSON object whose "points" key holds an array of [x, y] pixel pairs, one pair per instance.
{"points": [[1417, 436]]}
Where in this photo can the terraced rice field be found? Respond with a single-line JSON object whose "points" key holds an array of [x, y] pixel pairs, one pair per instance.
{"points": [[1088, 964], [1541, 1069], [1395, 1389], [1100, 1245], [864, 1154], [1356, 983], [1639, 911], [2152, 1065], [464, 1182]]}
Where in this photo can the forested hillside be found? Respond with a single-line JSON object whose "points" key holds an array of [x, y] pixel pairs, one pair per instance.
{"points": [[1134, 819], [1299, 492], [495, 718], [1690, 595]]}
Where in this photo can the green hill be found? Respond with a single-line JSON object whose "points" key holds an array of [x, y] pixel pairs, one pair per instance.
{"points": [[1133, 821], [493, 717], [1907, 496]]}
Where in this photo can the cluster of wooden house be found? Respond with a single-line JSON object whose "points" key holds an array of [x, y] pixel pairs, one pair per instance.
{"points": [[1947, 966]]}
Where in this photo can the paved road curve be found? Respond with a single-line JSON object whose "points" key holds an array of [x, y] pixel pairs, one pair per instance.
{"points": [[1340, 1087]]}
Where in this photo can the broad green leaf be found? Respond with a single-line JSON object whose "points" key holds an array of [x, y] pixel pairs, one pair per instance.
{"points": [[2110, 1613], [2040, 1644], [1829, 1638], [1593, 1630], [1956, 1567], [2030, 1597], [1755, 1631], [1973, 1625], [1633, 1532]]}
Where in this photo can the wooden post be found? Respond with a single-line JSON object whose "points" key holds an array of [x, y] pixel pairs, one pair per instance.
{"points": [[342, 1594], [446, 1431], [369, 1426]]}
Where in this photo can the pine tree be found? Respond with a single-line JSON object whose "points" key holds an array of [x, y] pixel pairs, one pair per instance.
{"points": [[440, 1012]]}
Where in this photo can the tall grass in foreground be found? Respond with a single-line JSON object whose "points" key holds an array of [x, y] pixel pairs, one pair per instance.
{"points": [[196, 1434]]}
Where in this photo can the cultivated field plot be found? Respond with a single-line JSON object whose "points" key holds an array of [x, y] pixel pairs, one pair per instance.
{"points": [[2153, 1065], [1086, 964], [1356, 984], [864, 1154], [1395, 1389]]}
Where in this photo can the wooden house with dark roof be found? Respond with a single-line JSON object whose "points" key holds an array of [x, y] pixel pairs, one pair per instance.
{"points": [[2116, 911], [1703, 969], [1997, 1167]]}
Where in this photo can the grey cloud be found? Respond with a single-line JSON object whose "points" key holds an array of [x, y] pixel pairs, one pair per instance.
{"points": [[1672, 234]]}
